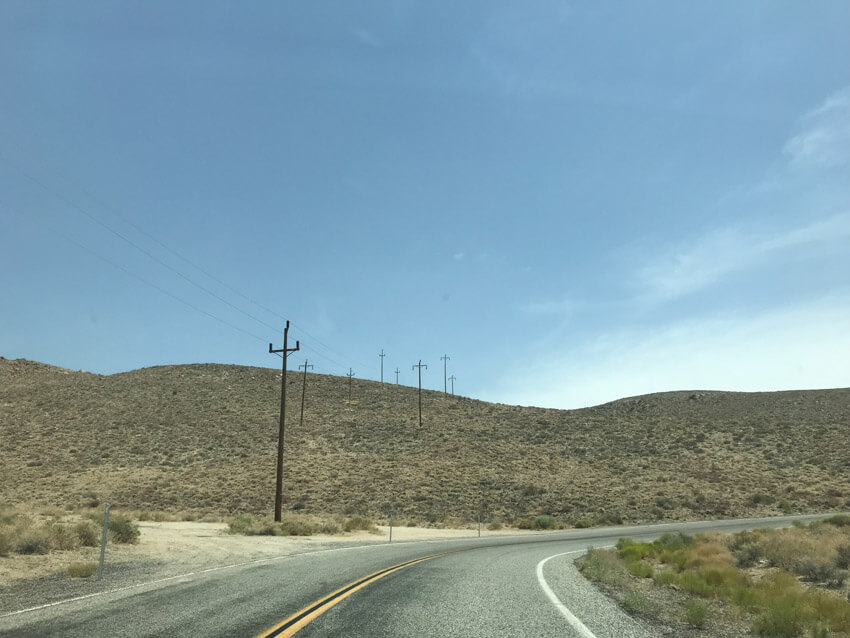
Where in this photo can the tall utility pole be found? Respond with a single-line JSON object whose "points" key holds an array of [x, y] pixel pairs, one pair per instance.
{"points": [[445, 359], [420, 365], [382, 355], [452, 379], [396, 375], [350, 376], [278, 494], [304, 390]]}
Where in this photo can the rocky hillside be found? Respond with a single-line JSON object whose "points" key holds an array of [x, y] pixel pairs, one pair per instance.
{"points": [[203, 438]]}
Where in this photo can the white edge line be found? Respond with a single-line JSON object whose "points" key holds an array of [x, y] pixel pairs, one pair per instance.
{"points": [[574, 622], [250, 562]]}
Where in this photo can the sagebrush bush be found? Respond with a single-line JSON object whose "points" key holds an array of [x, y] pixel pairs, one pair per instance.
{"points": [[87, 533], [359, 523], [544, 521], [122, 529], [61, 537], [32, 541], [81, 570], [696, 613]]}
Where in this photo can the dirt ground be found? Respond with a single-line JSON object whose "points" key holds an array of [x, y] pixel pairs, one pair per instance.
{"points": [[193, 544]]}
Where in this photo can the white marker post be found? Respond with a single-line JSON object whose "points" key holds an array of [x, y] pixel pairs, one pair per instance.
{"points": [[103, 543], [391, 526]]}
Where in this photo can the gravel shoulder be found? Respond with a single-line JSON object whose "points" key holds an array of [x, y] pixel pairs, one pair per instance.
{"points": [[171, 549]]}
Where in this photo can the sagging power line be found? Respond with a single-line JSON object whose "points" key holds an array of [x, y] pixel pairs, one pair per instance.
{"points": [[112, 210]]}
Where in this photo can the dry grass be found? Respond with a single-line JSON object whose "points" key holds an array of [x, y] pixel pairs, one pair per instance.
{"points": [[200, 441], [778, 582]]}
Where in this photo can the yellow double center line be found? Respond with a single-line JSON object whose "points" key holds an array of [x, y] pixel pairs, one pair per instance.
{"points": [[297, 620]]}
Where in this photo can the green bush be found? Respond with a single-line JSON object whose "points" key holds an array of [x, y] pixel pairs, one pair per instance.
{"points": [[81, 570], [359, 523], [544, 521], [6, 542], [32, 541], [838, 520], [122, 529], [637, 603], [87, 533], [603, 566], [696, 613]]}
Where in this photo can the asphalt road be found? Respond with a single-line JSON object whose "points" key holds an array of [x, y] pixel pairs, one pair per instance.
{"points": [[486, 587]]}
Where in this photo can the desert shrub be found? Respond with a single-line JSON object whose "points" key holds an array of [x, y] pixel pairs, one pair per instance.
{"points": [[637, 603], [6, 541], [495, 525], [675, 541], [359, 523], [582, 523], [81, 570], [122, 529], [32, 541], [61, 537], [842, 558], [610, 518], [603, 566], [696, 613], [544, 521], [525, 523], [640, 568], [838, 520], [87, 533]]}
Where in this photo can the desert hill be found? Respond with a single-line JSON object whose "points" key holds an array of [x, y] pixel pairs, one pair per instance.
{"points": [[203, 438]]}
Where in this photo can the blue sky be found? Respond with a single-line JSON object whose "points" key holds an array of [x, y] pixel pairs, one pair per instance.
{"points": [[575, 201]]}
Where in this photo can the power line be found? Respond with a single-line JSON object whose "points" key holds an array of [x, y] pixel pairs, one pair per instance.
{"points": [[176, 253], [138, 277]]}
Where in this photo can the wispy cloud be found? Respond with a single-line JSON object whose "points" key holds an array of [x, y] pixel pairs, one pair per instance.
{"points": [[458, 256], [795, 347], [824, 138], [366, 37], [564, 308], [708, 259]]}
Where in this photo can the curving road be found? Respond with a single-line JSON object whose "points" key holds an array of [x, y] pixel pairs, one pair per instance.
{"points": [[517, 586]]}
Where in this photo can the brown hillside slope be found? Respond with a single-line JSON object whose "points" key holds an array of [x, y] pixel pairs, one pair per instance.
{"points": [[203, 437]]}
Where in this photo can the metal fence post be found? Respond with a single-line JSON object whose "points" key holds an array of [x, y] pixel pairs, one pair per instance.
{"points": [[103, 543]]}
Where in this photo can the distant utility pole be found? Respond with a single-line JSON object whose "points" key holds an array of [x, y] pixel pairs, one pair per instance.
{"points": [[278, 495], [350, 376], [382, 355], [304, 389], [445, 359], [452, 379], [420, 365], [396, 375]]}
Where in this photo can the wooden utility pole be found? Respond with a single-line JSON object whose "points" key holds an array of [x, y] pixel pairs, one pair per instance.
{"points": [[278, 495], [445, 359], [350, 376], [382, 355], [420, 365], [396, 375], [303, 390], [452, 379]]}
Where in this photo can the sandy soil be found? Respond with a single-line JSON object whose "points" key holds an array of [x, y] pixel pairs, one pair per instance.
{"points": [[191, 545]]}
